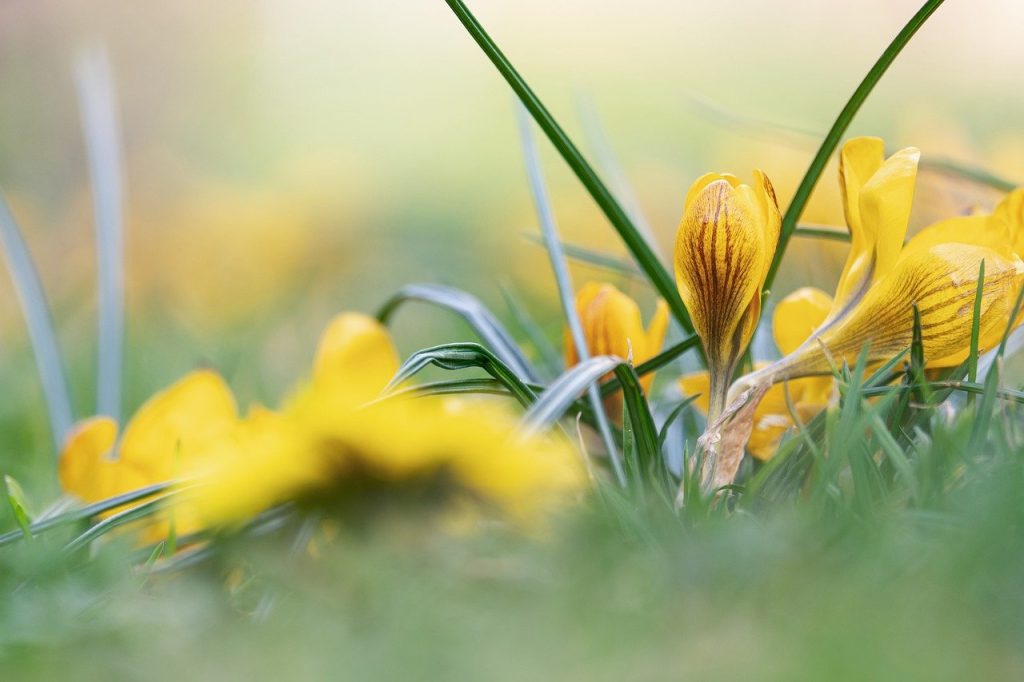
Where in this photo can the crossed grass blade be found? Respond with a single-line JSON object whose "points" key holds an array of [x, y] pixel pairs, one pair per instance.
{"points": [[595, 186], [475, 313]]}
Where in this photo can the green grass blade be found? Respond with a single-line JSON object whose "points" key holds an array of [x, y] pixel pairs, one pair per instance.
{"points": [[563, 391], [634, 241], [97, 103], [473, 312], [549, 355], [657, 362], [979, 176], [566, 293], [591, 257], [117, 520], [19, 506], [835, 133], [595, 137], [972, 357], [40, 326], [87, 512], [817, 232], [457, 356]]}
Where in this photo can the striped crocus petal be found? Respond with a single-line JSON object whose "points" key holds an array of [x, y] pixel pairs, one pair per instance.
{"points": [[877, 197], [724, 246]]}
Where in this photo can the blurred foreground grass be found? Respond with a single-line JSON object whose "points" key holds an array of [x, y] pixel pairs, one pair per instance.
{"points": [[792, 594]]}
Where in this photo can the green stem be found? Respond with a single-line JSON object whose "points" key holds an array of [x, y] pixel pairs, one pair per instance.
{"points": [[634, 241], [842, 122]]}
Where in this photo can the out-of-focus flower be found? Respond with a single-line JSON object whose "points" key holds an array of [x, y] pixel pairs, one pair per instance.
{"points": [[794, 319], [327, 438], [161, 441], [612, 326], [883, 281], [724, 247]]}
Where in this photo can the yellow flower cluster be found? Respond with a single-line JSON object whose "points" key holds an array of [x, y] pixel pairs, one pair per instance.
{"points": [[326, 436], [724, 239]]}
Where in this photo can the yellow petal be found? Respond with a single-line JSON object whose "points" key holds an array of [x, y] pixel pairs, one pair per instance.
{"points": [[797, 316], [656, 330], [877, 198], [166, 431], [724, 245], [356, 358], [86, 468], [697, 384], [941, 281], [612, 325], [773, 417]]}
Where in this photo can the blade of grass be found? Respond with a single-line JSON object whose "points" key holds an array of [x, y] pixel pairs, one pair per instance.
{"points": [[655, 363], [816, 232], [97, 103], [550, 357], [839, 126], [470, 309], [86, 512], [972, 357], [566, 293], [594, 135], [456, 356], [976, 175], [638, 247], [40, 326], [591, 257]]}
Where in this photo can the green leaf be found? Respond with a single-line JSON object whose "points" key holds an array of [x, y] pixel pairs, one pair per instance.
{"points": [[634, 241], [39, 322], [98, 106], [87, 512], [19, 506], [473, 312], [457, 356], [566, 293], [839, 126], [562, 394], [591, 257]]}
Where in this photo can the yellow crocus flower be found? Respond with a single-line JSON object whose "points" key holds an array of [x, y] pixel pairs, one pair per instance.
{"points": [[724, 247], [936, 272], [612, 325], [327, 439], [794, 319], [162, 439]]}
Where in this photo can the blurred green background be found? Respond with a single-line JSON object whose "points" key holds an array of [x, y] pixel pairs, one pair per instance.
{"points": [[287, 160]]}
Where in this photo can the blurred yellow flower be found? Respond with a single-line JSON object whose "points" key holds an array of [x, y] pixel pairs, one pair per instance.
{"points": [[794, 319], [327, 437], [162, 440], [612, 326], [724, 247]]}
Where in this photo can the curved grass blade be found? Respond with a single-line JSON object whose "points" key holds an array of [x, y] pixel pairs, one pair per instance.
{"points": [[634, 241], [86, 512], [40, 326], [121, 518], [473, 312], [597, 140], [562, 394], [978, 176], [97, 103], [819, 232], [657, 362], [835, 133], [456, 356], [550, 357], [591, 257], [566, 293], [671, 418]]}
